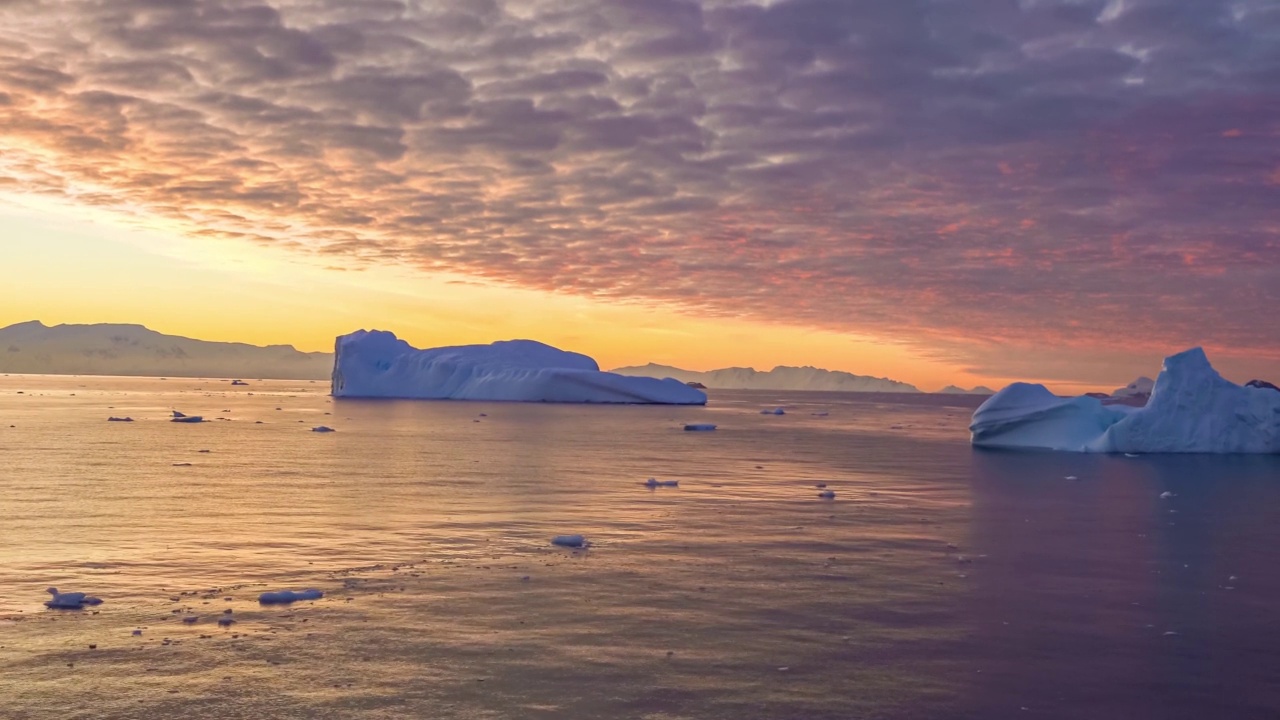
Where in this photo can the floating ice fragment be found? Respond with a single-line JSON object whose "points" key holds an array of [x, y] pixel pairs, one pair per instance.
{"points": [[239, 382], [226, 621], [1166, 495], [775, 411], [699, 427], [136, 633], [656, 483], [820, 485], [180, 418], [322, 428], [191, 619], [119, 419], [69, 601], [1071, 477], [288, 596], [827, 494], [571, 541]]}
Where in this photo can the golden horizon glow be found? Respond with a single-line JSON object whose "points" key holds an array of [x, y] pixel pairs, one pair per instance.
{"points": [[125, 271]]}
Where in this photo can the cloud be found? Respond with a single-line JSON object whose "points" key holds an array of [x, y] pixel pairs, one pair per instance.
{"points": [[973, 176]]}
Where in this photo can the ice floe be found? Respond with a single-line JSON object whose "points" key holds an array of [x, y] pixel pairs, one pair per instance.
{"points": [[378, 364], [69, 601], [570, 541], [1192, 409], [288, 596], [699, 427]]}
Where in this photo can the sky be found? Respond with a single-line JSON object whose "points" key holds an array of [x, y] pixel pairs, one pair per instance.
{"points": [[938, 191]]}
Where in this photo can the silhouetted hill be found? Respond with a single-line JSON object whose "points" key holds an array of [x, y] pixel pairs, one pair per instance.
{"points": [[109, 349], [779, 378]]}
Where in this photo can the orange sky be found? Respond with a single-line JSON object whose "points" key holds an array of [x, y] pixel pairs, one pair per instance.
{"points": [[71, 265]]}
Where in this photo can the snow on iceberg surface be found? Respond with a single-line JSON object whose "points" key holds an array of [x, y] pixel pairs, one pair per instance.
{"points": [[1192, 409], [378, 364]]}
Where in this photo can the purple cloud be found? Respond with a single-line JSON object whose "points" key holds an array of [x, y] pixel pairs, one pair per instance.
{"points": [[972, 176]]}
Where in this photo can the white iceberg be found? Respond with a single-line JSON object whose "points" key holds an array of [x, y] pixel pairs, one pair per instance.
{"points": [[377, 364], [1142, 386], [1192, 409]]}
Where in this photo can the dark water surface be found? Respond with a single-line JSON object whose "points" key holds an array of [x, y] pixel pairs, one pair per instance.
{"points": [[942, 582]]}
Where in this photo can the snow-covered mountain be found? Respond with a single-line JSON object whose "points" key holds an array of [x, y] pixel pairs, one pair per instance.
{"points": [[110, 349], [779, 378]]}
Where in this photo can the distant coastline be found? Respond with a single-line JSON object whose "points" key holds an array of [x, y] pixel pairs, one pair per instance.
{"points": [[129, 350]]}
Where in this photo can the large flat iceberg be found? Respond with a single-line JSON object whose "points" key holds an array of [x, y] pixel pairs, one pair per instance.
{"points": [[377, 364], [1192, 409]]}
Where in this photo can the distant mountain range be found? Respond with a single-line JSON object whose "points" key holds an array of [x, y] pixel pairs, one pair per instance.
{"points": [[106, 349], [116, 349], [956, 390], [779, 378]]}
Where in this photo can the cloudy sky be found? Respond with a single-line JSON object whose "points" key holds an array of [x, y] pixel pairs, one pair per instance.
{"points": [[936, 190]]}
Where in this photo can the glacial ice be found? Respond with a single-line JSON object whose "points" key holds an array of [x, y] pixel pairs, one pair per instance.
{"points": [[377, 364], [288, 596], [1192, 409], [69, 601]]}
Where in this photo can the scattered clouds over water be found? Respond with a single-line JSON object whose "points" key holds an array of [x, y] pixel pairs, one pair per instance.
{"points": [[1011, 170]]}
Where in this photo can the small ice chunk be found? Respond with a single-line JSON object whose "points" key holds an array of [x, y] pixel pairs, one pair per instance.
{"points": [[322, 428], [69, 601], [1166, 495], [191, 619], [570, 541], [1071, 477], [178, 414], [137, 633], [656, 483], [113, 418], [288, 596], [180, 418], [775, 411], [827, 494], [226, 621], [820, 485], [699, 427]]}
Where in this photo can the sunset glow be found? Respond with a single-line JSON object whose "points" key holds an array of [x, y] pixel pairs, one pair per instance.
{"points": [[938, 193]]}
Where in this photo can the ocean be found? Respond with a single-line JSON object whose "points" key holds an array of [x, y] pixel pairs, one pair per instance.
{"points": [[940, 582]]}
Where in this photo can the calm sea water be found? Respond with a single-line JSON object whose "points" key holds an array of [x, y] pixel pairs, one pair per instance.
{"points": [[941, 582]]}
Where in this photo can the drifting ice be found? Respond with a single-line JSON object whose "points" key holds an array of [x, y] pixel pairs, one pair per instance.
{"points": [[1192, 409], [69, 601], [288, 596], [378, 364]]}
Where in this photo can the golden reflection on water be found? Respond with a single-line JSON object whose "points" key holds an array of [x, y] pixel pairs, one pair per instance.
{"points": [[737, 594]]}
